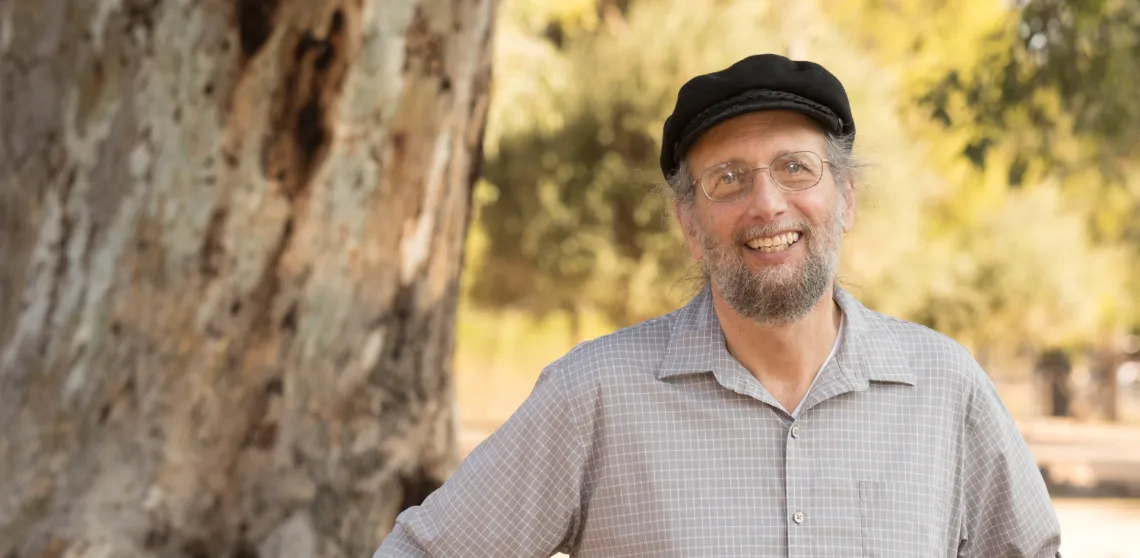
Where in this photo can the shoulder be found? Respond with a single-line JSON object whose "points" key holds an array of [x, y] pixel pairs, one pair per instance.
{"points": [[598, 371], [940, 362], [924, 350], [924, 347], [624, 362], [632, 349], [937, 361]]}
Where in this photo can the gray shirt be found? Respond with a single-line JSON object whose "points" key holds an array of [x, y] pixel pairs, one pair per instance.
{"points": [[654, 441]]}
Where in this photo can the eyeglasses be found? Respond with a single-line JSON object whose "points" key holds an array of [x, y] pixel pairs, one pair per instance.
{"points": [[734, 180]]}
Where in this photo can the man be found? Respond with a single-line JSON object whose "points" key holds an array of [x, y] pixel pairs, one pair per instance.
{"points": [[773, 415]]}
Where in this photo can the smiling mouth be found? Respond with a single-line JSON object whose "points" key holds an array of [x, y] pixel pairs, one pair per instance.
{"points": [[771, 244]]}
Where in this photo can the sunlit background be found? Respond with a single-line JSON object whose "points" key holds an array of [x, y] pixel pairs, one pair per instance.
{"points": [[1002, 205]]}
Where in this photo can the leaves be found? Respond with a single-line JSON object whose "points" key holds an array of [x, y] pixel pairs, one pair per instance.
{"points": [[1000, 206]]}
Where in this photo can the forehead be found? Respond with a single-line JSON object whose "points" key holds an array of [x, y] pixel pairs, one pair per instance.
{"points": [[757, 135]]}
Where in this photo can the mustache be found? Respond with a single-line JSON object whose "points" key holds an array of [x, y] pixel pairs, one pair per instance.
{"points": [[771, 229]]}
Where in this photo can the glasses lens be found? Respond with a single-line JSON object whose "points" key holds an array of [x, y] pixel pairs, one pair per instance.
{"points": [[797, 171], [727, 181]]}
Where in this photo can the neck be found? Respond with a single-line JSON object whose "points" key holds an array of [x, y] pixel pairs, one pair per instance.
{"points": [[783, 358]]}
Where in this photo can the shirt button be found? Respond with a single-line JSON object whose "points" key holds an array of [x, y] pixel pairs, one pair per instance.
{"points": [[798, 517], [796, 431]]}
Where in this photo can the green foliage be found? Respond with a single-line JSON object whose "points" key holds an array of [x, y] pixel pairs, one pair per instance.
{"points": [[1000, 208], [1041, 207], [1060, 65], [570, 216]]}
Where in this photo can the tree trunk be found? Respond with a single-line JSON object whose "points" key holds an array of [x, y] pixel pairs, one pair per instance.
{"points": [[1056, 368], [230, 241], [1110, 361]]}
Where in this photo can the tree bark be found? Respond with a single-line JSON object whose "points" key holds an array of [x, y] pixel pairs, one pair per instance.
{"points": [[231, 234]]}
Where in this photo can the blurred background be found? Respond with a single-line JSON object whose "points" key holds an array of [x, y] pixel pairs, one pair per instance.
{"points": [[1002, 206], [269, 268]]}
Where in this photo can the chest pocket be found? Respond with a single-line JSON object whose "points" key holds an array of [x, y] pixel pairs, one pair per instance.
{"points": [[891, 525], [832, 528]]}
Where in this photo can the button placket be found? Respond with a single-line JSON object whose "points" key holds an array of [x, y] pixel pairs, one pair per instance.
{"points": [[794, 464]]}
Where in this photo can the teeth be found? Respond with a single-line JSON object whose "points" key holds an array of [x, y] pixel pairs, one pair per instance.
{"points": [[780, 242]]}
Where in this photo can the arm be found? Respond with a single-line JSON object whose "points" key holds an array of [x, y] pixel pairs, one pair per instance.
{"points": [[516, 494], [1007, 506]]}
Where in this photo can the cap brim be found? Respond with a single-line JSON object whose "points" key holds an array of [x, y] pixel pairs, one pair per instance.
{"points": [[753, 101]]}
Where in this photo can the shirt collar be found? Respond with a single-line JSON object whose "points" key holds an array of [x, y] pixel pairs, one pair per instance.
{"points": [[868, 352], [880, 358]]}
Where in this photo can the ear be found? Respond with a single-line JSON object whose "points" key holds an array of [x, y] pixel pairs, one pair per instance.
{"points": [[686, 216], [848, 193]]}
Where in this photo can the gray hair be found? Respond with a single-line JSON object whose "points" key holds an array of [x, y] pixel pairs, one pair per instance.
{"points": [[845, 166]]}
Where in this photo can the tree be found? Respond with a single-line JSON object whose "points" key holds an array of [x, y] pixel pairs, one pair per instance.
{"points": [[1053, 87], [567, 216], [231, 236], [1031, 107]]}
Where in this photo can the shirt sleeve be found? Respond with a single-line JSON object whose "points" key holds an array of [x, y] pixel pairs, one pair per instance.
{"points": [[1007, 505], [516, 494]]}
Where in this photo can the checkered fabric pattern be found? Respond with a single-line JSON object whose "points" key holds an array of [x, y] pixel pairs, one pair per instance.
{"points": [[655, 442]]}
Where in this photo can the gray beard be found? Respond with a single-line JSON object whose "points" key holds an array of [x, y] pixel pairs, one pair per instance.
{"points": [[781, 295]]}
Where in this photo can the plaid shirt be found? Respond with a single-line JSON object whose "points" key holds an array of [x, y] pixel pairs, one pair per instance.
{"points": [[654, 441]]}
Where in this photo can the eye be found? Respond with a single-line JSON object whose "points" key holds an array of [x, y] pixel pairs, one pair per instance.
{"points": [[793, 167], [729, 177]]}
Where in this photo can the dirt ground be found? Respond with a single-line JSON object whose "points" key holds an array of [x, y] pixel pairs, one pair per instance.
{"points": [[1099, 528]]}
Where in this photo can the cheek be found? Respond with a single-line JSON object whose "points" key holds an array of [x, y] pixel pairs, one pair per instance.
{"points": [[720, 221], [822, 208]]}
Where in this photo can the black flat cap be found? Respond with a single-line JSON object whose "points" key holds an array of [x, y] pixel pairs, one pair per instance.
{"points": [[759, 82]]}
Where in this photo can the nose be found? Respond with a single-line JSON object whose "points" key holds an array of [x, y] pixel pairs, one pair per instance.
{"points": [[767, 201]]}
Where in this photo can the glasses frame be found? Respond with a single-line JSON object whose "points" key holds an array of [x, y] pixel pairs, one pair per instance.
{"points": [[752, 171]]}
